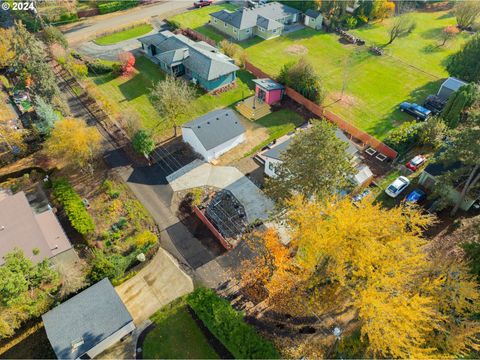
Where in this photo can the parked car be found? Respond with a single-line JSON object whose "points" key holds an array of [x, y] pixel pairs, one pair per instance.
{"points": [[360, 196], [396, 187], [202, 3], [416, 162], [419, 112], [415, 197], [435, 104]]}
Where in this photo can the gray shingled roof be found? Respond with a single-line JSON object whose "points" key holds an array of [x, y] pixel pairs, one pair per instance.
{"points": [[453, 83], [90, 316], [203, 59], [312, 13], [216, 127], [173, 57], [245, 18], [268, 24]]}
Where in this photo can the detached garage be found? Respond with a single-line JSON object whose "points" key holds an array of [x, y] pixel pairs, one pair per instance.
{"points": [[450, 86], [213, 134]]}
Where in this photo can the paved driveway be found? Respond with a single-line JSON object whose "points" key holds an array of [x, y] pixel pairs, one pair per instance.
{"points": [[157, 284]]}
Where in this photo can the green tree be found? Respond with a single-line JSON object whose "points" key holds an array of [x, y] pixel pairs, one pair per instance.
{"points": [[301, 76], [464, 64], [143, 143], [172, 98], [465, 151], [52, 35], [47, 115], [402, 26], [101, 267], [404, 136], [314, 164], [432, 132], [7, 52], [454, 111]]}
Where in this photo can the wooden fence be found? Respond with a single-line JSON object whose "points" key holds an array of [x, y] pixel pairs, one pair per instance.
{"points": [[195, 35], [212, 228], [319, 111]]}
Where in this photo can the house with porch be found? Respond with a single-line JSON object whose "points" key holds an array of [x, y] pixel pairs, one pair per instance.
{"points": [[197, 61], [266, 21]]}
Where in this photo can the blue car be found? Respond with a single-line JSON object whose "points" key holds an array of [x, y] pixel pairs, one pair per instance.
{"points": [[415, 197], [417, 111]]}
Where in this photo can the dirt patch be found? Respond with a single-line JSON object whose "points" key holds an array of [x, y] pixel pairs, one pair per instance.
{"points": [[345, 99], [296, 50]]}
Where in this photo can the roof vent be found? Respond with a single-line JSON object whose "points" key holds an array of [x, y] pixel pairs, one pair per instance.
{"points": [[198, 126], [218, 118], [2, 228], [236, 122], [226, 114], [208, 122]]}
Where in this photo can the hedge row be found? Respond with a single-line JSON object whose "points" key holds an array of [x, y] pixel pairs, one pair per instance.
{"points": [[229, 327], [73, 205], [112, 6]]}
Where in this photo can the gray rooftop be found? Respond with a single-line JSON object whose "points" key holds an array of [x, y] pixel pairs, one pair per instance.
{"points": [[276, 151], [453, 83], [200, 57], [312, 13], [268, 84], [268, 24], [245, 18], [90, 316], [216, 127], [22, 228]]}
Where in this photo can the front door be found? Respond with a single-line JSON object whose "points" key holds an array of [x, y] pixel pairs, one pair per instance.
{"points": [[262, 94]]}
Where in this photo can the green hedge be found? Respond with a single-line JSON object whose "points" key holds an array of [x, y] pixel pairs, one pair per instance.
{"points": [[229, 327], [74, 207], [112, 6]]}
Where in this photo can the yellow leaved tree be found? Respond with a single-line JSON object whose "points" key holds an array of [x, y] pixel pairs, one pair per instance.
{"points": [[73, 143]]}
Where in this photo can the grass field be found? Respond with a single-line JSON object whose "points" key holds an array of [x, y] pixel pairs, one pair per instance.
{"points": [[373, 85], [278, 123], [176, 336], [133, 94], [197, 19], [124, 35]]}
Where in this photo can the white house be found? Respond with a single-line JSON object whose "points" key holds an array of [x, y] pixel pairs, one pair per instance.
{"points": [[272, 158], [450, 86], [213, 134], [88, 323]]}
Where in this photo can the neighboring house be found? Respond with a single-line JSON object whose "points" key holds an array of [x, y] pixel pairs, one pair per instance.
{"points": [[199, 62], [88, 323], [267, 21], [450, 86], [313, 19], [273, 157], [428, 179], [213, 134], [37, 233]]}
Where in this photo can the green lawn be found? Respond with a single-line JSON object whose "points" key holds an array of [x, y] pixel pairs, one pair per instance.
{"points": [[176, 336], [124, 35], [197, 19], [374, 85], [133, 94], [278, 123]]}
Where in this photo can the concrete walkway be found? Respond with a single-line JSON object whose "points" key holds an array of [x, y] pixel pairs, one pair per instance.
{"points": [[157, 284], [199, 173]]}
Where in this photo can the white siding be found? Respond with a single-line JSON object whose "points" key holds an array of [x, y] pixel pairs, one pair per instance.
{"points": [[111, 340], [270, 164], [190, 138]]}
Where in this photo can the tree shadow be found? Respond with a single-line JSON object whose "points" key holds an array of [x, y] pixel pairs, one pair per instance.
{"points": [[135, 87], [433, 33]]}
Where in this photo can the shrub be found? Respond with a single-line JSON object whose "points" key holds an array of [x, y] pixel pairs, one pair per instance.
{"points": [[74, 207], [112, 6], [145, 239], [463, 98], [99, 67], [229, 327], [404, 136], [351, 22], [229, 49], [68, 17], [54, 36], [301, 77]]}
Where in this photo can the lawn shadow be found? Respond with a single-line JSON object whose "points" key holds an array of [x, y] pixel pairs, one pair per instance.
{"points": [[447, 15], [135, 87], [103, 79], [431, 34]]}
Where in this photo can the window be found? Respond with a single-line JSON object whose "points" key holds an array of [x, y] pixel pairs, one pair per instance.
{"points": [[234, 31], [225, 24], [274, 31], [247, 31], [261, 29]]}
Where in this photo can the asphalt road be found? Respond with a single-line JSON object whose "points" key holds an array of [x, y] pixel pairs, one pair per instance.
{"points": [[94, 26]]}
